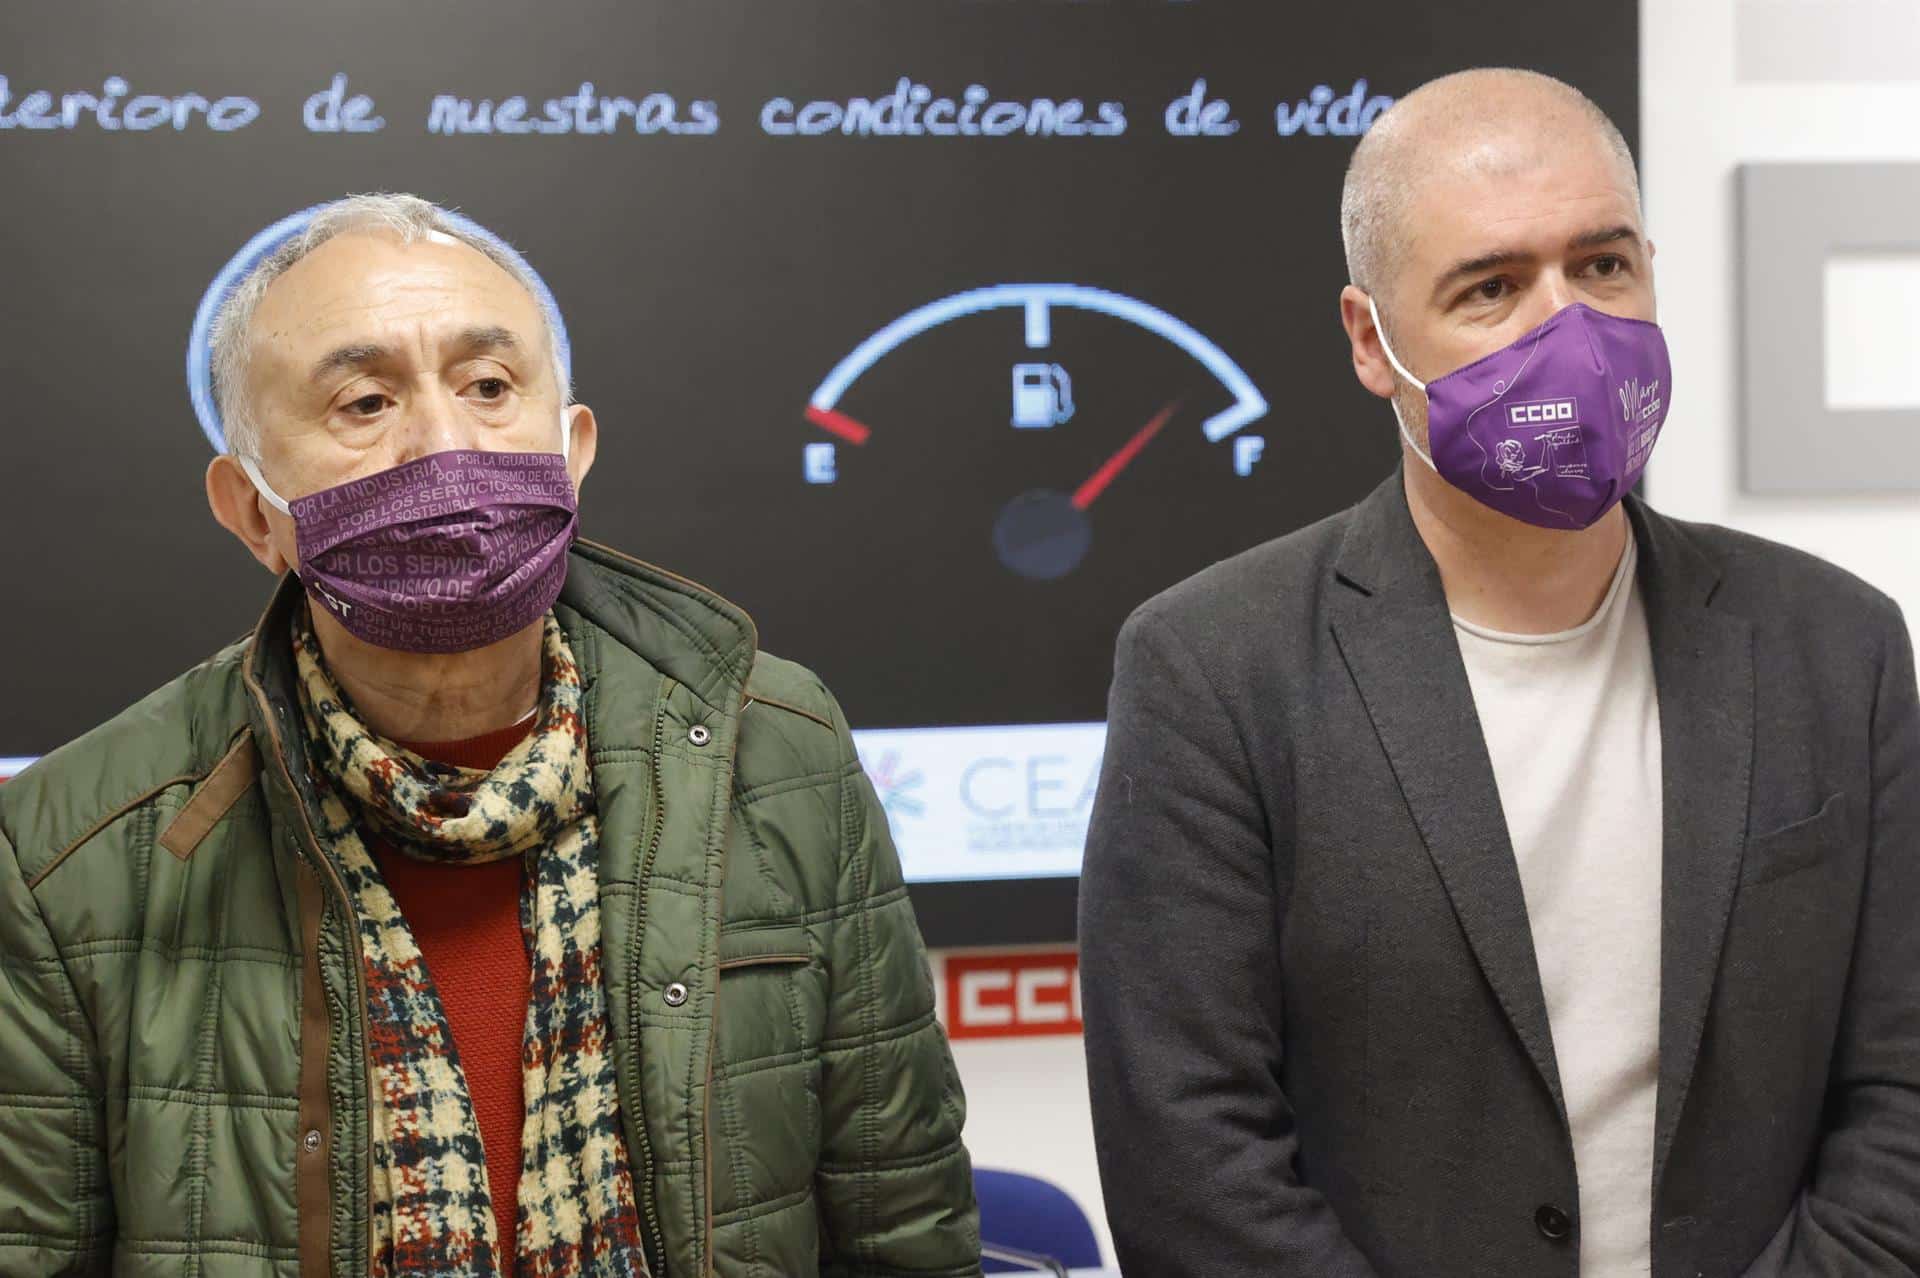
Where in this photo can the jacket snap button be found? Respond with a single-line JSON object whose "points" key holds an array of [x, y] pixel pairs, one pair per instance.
{"points": [[311, 1142], [675, 994], [699, 734], [1553, 1222]]}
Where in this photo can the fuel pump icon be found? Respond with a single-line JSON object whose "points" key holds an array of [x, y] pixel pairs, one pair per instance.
{"points": [[1042, 396]]}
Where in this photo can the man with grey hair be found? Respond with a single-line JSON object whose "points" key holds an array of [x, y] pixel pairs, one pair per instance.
{"points": [[1499, 877], [497, 907]]}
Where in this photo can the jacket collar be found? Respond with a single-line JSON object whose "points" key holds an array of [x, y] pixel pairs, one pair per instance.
{"points": [[684, 630], [1395, 634]]}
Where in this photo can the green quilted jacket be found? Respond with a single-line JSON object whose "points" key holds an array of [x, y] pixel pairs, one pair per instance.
{"points": [[183, 1065]]}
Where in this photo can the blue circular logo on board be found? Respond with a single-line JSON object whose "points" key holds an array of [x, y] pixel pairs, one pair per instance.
{"points": [[261, 246]]}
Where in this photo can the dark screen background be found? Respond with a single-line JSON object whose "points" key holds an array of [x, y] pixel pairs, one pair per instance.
{"points": [[710, 283]]}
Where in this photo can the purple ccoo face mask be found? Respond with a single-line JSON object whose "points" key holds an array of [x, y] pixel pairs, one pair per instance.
{"points": [[445, 553], [1555, 428]]}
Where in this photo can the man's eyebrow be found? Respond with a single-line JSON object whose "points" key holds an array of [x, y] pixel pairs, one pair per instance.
{"points": [[355, 355], [481, 337], [487, 337], [1507, 257], [1475, 265], [1610, 235]]}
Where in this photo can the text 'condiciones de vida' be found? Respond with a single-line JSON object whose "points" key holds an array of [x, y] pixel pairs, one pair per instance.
{"points": [[910, 109]]}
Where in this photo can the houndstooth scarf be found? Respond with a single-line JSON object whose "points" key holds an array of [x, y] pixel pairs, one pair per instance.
{"points": [[432, 1213]]}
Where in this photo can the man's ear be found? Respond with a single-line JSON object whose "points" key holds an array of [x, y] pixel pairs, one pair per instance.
{"points": [[583, 443], [1653, 292], [1363, 336], [237, 504]]}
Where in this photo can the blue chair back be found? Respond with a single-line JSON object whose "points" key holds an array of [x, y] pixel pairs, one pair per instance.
{"points": [[1028, 1214]]}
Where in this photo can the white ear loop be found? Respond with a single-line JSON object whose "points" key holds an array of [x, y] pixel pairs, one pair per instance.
{"points": [[1401, 369], [274, 499], [279, 503]]}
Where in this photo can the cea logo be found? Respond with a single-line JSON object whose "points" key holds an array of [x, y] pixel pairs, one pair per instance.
{"points": [[898, 786], [1034, 787]]}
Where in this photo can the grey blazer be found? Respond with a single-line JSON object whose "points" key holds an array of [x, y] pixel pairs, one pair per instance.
{"points": [[1315, 1031]]}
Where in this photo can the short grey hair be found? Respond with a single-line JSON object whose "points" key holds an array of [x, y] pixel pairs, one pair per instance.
{"points": [[1380, 177], [408, 217]]}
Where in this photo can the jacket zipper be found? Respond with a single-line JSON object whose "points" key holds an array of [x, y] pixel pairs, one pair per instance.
{"points": [[713, 1026], [647, 1206], [640, 918], [311, 851], [713, 1029]]}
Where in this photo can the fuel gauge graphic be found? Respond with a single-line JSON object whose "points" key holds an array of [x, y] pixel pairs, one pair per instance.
{"points": [[1045, 532]]}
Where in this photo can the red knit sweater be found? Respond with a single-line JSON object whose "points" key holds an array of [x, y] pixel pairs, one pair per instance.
{"points": [[466, 921]]}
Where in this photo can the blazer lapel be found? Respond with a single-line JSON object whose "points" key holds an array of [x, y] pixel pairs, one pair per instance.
{"points": [[1396, 637], [1703, 670]]}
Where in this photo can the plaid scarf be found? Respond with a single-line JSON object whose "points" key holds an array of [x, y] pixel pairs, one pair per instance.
{"points": [[432, 1213]]}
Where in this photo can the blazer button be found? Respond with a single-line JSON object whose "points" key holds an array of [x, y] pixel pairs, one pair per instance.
{"points": [[1553, 1222]]}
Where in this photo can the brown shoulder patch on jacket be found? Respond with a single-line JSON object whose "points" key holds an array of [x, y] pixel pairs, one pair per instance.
{"points": [[215, 797]]}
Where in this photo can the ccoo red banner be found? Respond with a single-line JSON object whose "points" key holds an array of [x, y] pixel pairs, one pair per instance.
{"points": [[1013, 994]]}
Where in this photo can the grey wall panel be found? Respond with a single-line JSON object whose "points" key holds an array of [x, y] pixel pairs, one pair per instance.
{"points": [[1793, 218]]}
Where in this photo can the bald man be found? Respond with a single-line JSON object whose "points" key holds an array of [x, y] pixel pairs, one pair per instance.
{"points": [[1499, 877]]}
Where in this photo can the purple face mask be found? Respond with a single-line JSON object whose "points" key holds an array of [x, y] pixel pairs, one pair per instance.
{"points": [[1554, 429], [446, 553]]}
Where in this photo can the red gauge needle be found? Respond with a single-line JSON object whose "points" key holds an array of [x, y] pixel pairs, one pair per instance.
{"points": [[854, 432], [1096, 484]]}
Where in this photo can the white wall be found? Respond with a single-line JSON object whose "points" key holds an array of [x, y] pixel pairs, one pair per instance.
{"points": [[1698, 121], [1027, 1112]]}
